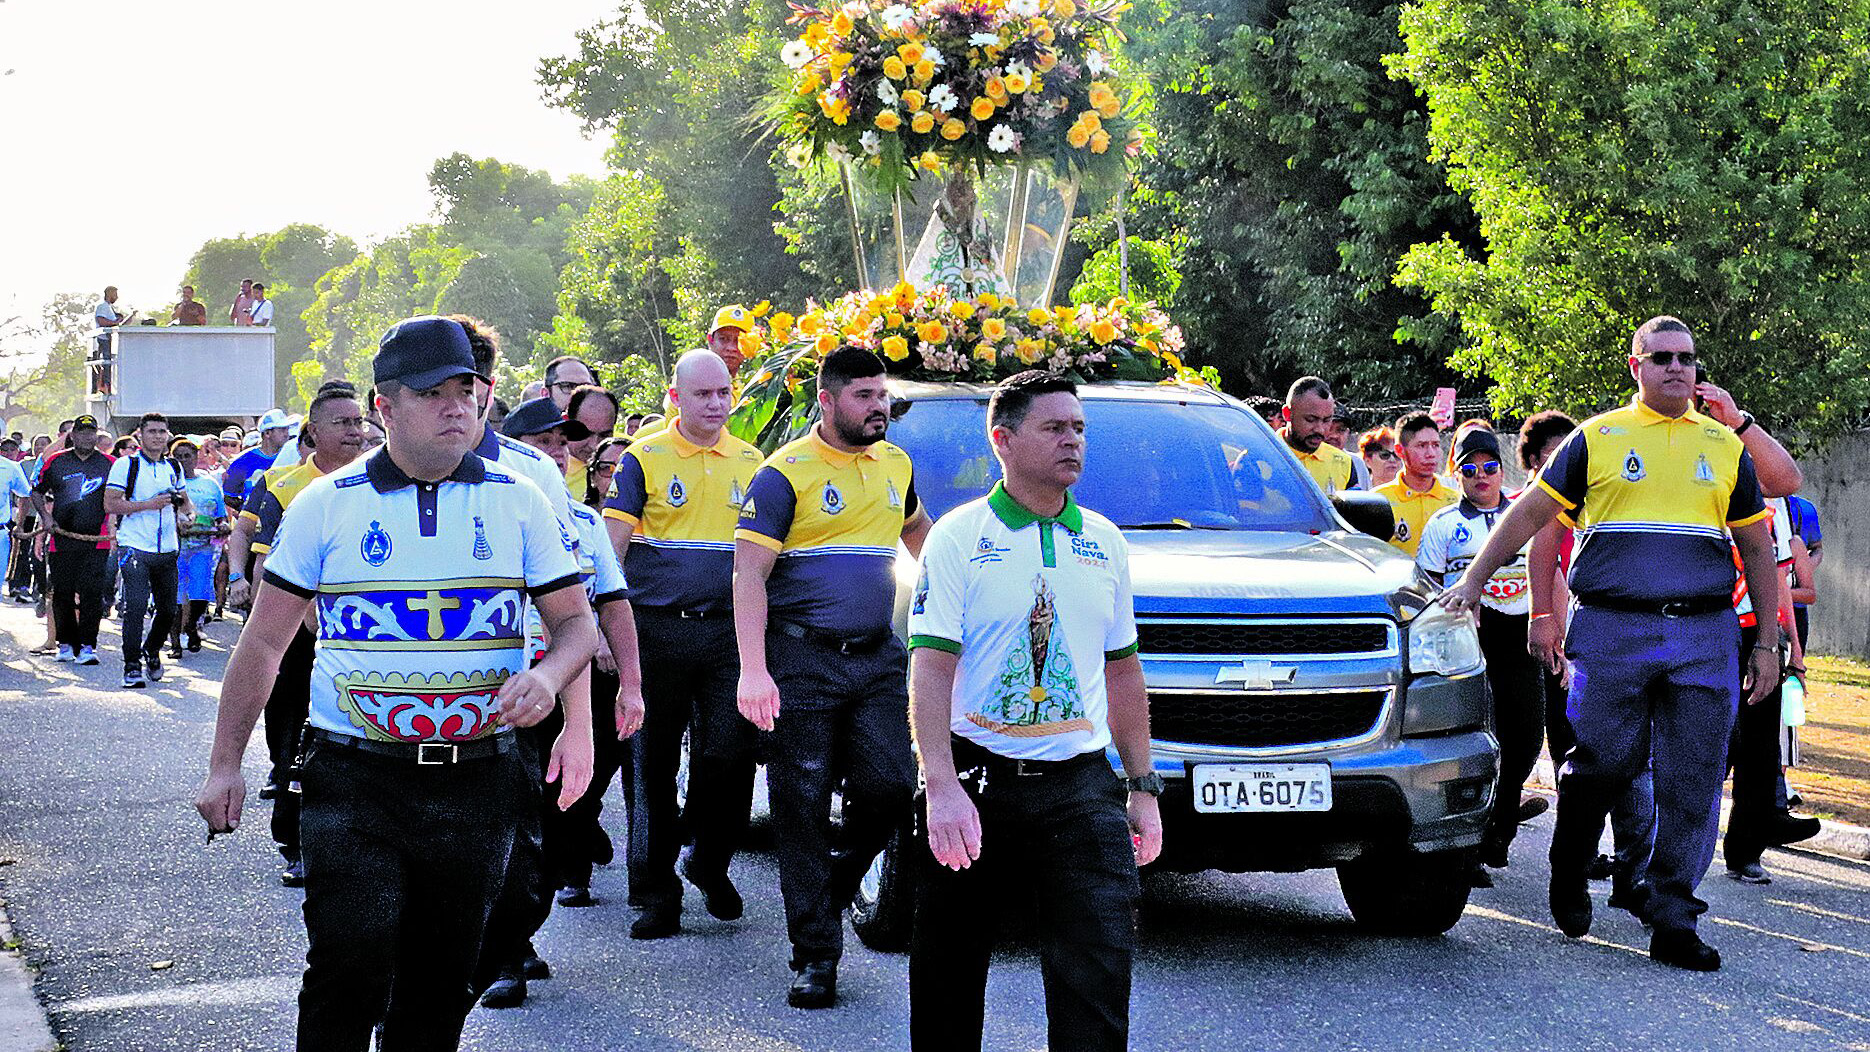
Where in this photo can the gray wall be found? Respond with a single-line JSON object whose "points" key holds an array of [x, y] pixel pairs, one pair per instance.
{"points": [[1835, 482]]}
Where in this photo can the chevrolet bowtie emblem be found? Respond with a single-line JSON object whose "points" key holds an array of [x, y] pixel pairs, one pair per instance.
{"points": [[1256, 675]]}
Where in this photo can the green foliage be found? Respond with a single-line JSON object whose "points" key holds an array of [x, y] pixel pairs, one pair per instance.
{"points": [[1153, 276], [42, 372], [289, 262], [1291, 174], [1630, 158]]}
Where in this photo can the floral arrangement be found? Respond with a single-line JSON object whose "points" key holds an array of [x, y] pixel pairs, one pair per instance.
{"points": [[929, 335], [903, 88]]}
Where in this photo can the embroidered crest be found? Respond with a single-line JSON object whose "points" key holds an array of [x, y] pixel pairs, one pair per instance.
{"points": [[482, 550], [1460, 534], [736, 495], [896, 500], [376, 545], [1402, 529], [747, 510], [1633, 470], [832, 502], [1704, 471], [678, 493]]}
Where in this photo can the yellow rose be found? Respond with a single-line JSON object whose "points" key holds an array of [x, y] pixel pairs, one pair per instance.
{"points": [[782, 325], [987, 301], [911, 53], [961, 309], [996, 89], [981, 108], [932, 332], [1065, 8], [1090, 120], [841, 25], [925, 71], [913, 100], [1038, 316], [985, 354], [811, 323], [1102, 330], [1110, 106], [894, 69], [928, 162], [1047, 61], [895, 348], [892, 320], [1016, 84], [1100, 142], [1078, 136], [826, 342], [751, 343], [953, 129], [993, 328], [1030, 351], [888, 120], [1044, 32], [922, 123]]}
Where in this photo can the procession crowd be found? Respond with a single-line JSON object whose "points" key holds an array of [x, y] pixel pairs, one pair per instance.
{"points": [[464, 623]]}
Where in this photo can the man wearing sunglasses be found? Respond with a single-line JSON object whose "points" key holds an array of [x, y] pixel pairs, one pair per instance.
{"points": [[1451, 539], [1654, 489]]}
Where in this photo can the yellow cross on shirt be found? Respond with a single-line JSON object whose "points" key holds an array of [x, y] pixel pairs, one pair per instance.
{"points": [[434, 604]]}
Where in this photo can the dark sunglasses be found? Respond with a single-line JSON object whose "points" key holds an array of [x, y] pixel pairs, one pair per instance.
{"points": [[1383, 454], [1485, 467], [1686, 359]]}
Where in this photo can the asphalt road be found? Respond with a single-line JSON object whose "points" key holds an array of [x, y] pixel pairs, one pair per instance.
{"points": [[149, 940]]}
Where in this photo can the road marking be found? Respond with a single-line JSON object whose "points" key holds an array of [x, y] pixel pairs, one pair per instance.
{"points": [[1824, 1008], [1790, 938], [274, 989], [1492, 914], [1816, 911]]}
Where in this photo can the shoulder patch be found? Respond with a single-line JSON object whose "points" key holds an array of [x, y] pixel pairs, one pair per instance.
{"points": [[495, 476], [520, 448], [352, 480]]}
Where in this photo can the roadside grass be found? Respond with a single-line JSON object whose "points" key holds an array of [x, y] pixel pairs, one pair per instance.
{"points": [[1834, 773]]}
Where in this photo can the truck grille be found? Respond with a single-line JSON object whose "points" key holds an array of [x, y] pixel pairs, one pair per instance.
{"points": [[1304, 637], [1263, 721]]}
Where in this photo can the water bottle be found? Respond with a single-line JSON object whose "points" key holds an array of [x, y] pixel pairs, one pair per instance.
{"points": [[1792, 702]]}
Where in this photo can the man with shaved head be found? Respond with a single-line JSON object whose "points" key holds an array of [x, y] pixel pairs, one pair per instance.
{"points": [[672, 510]]}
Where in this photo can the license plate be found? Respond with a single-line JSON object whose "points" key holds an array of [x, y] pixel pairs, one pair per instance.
{"points": [[1262, 787]]}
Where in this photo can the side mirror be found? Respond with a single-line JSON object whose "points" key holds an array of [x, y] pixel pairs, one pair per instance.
{"points": [[1366, 513]]}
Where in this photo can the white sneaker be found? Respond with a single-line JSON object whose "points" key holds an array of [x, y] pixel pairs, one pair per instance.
{"points": [[86, 656], [65, 653]]}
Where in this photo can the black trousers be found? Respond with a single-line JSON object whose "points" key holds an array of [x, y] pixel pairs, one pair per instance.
{"points": [[573, 840], [1753, 757], [1055, 848], [79, 577], [28, 570], [146, 576], [286, 710], [689, 686], [843, 721], [402, 864], [524, 901], [1518, 685]]}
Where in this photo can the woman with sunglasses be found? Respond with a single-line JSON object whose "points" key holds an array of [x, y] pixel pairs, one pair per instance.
{"points": [[1378, 449], [1450, 541]]}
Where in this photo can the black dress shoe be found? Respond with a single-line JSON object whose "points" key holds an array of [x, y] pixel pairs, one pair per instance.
{"points": [[1532, 806], [293, 876], [1630, 898], [1570, 900], [657, 922], [508, 991], [533, 966], [575, 897], [1600, 868], [1683, 949], [814, 985], [1479, 877], [718, 893], [1790, 829], [1749, 873]]}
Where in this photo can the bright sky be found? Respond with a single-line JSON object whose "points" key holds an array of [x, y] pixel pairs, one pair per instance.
{"points": [[134, 130]]}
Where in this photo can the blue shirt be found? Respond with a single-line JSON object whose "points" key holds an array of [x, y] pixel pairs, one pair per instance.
{"points": [[210, 508], [247, 466]]}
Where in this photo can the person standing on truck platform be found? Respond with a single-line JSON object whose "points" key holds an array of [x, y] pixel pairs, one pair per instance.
{"points": [[260, 310], [1020, 796], [1308, 412], [145, 492], [237, 314], [190, 311], [820, 667], [1655, 656], [412, 783], [1447, 545], [1417, 492]]}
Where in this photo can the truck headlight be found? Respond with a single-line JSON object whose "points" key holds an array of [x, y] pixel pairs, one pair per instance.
{"points": [[1443, 643]]}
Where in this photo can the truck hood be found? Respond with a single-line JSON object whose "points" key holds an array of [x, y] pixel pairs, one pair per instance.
{"points": [[1247, 573]]}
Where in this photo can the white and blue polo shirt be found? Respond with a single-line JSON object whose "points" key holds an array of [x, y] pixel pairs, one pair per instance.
{"points": [[421, 592]]}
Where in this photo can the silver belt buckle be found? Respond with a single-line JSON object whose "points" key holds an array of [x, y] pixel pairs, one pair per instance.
{"points": [[1020, 770], [437, 754]]}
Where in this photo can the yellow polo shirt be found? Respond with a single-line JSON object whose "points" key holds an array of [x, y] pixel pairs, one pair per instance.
{"points": [[1414, 509], [1328, 466]]}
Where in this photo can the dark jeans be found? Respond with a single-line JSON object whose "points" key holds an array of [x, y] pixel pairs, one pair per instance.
{"points": [[1753, 756], [146, 576], [286, 709], [79, 576], [401, 866], [1518, 718], [689, 685], [573, 839], [843, 721], [1055, 848]]}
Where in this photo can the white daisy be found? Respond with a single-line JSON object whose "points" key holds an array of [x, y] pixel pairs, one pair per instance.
{"points": [[983, 40], [1024, 8], [886, 92], [1019, 69], [896, 16], [795, 54], [838, 152], [943, 99], [1094, 61], [872, 142], [1002, 139], [935, 58]]}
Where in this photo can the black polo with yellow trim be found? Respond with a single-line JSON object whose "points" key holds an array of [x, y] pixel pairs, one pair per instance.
{"points": [[682, 502], [273, 496], [834, 519], [1652, 498], [1035, 607]]}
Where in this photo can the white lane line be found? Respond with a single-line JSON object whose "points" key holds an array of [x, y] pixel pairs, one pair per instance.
{"points": [[1789, 938], [1496, 915], [1824, 1008], [1817, 912], [272, 989]]}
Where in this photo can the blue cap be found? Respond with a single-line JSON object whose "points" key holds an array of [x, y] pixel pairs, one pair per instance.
{"points": [[538, 416], [421, 353]]}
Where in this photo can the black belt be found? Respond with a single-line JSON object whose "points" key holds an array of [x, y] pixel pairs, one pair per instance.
{"points": [[686, 614], [970, 756], [421, 754], [838, 641], [1706, 604]]}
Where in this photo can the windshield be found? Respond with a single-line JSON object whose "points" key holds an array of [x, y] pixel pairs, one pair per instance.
{"points": [[1148, 464]]}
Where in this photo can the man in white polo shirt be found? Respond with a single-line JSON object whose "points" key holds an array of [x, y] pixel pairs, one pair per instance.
{"points": [[145, 490], [1024, 671], [419, 562]]}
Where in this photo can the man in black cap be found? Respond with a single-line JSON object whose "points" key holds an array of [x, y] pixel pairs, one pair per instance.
{"points": [[79, 550], [422, 560]]}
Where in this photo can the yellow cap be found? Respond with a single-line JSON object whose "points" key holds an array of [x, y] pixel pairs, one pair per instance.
{"points": [[732, 316]]}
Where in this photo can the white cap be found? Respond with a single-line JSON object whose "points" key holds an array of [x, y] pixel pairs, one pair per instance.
{"points": [[274, 418]]}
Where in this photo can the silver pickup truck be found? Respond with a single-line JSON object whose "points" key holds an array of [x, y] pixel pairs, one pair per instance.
{"points": [[1308, 706]]}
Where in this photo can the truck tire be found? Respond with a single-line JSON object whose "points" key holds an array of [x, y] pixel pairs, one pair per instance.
{"points": [[1405, 893], [883, 910]]}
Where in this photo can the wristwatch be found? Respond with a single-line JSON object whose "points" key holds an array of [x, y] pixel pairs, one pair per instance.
{"points": [[1151, 783], [1746, 421]]}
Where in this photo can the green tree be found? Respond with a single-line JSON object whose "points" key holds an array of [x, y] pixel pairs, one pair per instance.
{"points": [[42, 370], [1706, 159]]}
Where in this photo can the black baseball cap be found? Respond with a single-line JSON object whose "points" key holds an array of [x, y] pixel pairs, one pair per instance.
{"points": [[538, 416], [87, 420], [421, 353], [1475, 440]]}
